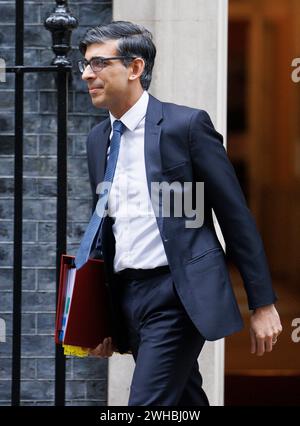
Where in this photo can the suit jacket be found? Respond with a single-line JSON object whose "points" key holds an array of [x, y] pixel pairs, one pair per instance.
{"points": [[182, 145]]}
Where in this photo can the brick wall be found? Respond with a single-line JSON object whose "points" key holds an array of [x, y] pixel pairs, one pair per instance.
{"points": [[86, 379]]}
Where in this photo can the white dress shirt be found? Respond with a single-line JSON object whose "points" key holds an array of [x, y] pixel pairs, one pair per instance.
{"points": [[138, 241]]}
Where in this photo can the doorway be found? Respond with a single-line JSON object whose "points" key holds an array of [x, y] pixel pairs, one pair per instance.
{"points": [[263, 145]]}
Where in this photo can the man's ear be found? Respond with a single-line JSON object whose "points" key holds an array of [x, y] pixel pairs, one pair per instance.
{"points": [[137, 67]]}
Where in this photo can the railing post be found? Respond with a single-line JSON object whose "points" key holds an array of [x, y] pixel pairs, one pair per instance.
{"points": [[61, 24], [18, 209]]}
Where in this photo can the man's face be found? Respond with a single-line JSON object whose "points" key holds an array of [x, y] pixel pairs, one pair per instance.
{"points": [[111, 84]]}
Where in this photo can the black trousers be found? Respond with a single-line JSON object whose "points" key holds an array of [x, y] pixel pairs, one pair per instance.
{"points": [[165, 344]]}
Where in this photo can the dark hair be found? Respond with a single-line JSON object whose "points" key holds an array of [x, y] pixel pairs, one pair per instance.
{"points": [[133, 40]]}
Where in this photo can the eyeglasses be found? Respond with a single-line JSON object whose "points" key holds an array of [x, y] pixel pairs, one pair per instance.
{"points": [[97, 63]]}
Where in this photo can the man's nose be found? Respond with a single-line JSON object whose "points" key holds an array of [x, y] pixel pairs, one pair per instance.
{"points": [[88, 73]]}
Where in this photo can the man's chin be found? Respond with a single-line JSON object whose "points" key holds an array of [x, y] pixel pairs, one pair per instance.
{"points": [[98, 103]]}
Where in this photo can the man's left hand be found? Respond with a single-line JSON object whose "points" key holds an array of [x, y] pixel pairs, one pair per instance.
{"points": [[265, 327]]}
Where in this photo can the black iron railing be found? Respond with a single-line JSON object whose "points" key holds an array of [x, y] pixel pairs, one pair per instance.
{"points": [[60, 23]]}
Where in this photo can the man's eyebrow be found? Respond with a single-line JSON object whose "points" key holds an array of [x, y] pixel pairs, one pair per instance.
{"points": [[98, 57], [91, 58]]}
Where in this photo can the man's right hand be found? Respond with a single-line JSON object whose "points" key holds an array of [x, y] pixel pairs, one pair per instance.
{"points": [[104, 349]]}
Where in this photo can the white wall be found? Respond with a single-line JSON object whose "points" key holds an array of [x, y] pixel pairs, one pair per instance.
{"points": [[190, 69]]}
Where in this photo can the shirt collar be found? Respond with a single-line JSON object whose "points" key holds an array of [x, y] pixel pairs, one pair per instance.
{"points": [[135, 114]]}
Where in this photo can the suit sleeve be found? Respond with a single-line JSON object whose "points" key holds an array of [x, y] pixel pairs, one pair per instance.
{"points": [[91, 168], [212, 166]]}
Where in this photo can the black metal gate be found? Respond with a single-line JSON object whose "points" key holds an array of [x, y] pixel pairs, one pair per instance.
{"points": [[60, 23]]}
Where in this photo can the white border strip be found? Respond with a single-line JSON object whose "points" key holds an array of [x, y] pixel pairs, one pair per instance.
{"points": [[221, 125]]}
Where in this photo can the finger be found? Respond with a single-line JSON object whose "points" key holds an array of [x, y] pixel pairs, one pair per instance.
{"points": [[92, 352], [276, 331], [109, 350], [109, 346], [106, 347], [253, 342], [98, 351], [260, 343], [269, 343]]}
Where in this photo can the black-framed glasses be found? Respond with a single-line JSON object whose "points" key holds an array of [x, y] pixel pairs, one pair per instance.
{"points": [[97, 63]]}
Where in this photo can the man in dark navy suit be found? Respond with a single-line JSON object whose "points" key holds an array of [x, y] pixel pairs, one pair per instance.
{"points": [[168, 281]]}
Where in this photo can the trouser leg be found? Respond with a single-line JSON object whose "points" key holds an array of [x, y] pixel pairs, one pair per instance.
{"points": [[167, 345], [193, 393]]}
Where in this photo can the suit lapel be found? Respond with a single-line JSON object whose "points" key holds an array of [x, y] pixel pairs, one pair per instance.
{"points": [[152, 143], [152, 150], [103, 146]]}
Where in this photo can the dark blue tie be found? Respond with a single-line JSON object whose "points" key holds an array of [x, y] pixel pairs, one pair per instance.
{"points": [[94, 225]]}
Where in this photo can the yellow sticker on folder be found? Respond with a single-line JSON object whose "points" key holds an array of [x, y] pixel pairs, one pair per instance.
{"points": [[75, 351]]}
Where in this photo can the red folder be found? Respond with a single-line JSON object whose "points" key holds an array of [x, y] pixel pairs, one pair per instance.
{"points": [[88, 322]]}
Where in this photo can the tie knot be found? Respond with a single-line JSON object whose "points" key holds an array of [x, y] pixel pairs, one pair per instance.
{"points": [[118, 126]]}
